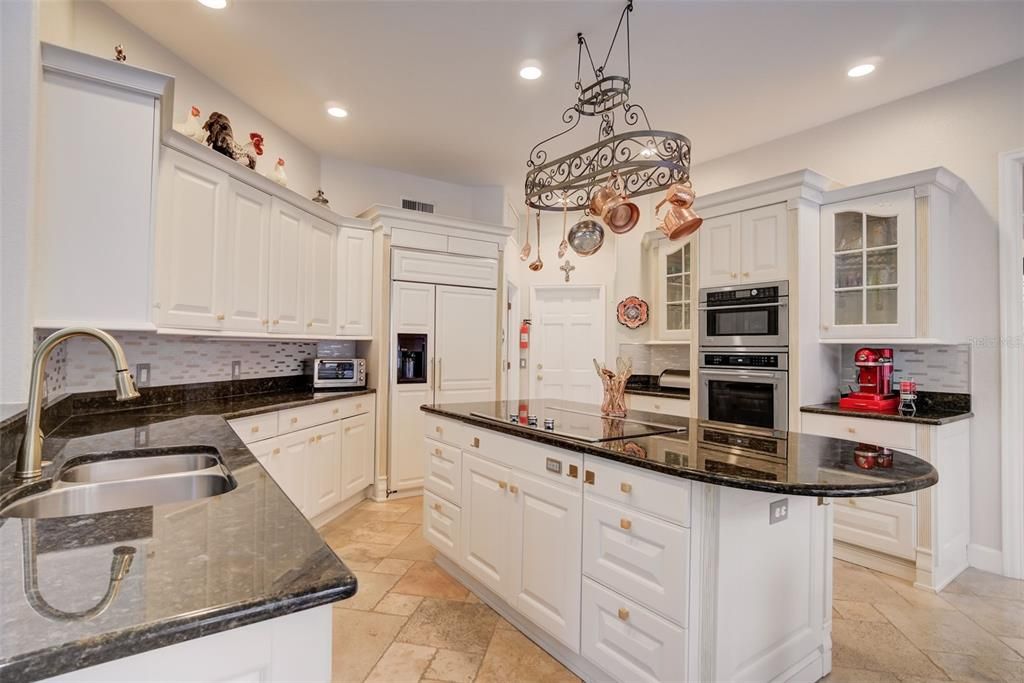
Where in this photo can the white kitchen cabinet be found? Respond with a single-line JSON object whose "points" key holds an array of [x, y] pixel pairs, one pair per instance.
{"points": [[675, 315], [745, 247], [355, 282], [324, 471], [245, 260], [192, 224], [321, 274], [290, 465], [487, 505], [868, 267], [883, 525], [466, 363], [441, 525], [288, 226], [443, 470], [357, 462]]}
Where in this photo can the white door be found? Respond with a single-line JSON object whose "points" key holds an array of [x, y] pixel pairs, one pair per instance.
{"points": [[764, 244], [566, 336], [324, 472], [321, 271], [487, 509], [412, 311], [546, 543], [356, 454], [246, 256], [287, 231], [190, 236], [719, 241], [466, 346], [355, 282]]}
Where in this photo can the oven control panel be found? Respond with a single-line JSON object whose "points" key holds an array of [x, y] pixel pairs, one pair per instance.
{"points": [[736, 297], [745, 360]]}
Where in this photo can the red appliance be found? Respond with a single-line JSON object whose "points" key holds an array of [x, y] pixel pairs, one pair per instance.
{"points": [[875, 380]]}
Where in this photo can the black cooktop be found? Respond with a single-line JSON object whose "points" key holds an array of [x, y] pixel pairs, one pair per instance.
{"points": [[580, 421]]}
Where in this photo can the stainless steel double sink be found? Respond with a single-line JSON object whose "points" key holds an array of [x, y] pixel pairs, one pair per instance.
{"points": [[119, 481]]}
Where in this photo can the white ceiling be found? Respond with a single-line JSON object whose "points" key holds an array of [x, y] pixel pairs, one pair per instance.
{"points": [[433, 87]]}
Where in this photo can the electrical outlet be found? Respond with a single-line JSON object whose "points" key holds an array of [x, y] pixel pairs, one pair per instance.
{"points": [[522, 363], [142, 374], [141, 437], [778, 511], [236, 369]]}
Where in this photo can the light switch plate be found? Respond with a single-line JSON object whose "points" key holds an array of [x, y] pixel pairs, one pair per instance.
{"points": [[236, 369], [778, 511], [142, 374], [522, 363]]}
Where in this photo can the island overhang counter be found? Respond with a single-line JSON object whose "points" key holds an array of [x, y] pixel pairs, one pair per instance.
{"points": [[650, 547]]}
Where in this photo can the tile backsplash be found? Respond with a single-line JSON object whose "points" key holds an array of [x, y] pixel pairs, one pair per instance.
{"points": [[934, 368], [83, 364], [651, 359]]}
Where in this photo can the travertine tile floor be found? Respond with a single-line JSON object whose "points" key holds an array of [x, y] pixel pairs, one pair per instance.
{"points": [[410, 621]]}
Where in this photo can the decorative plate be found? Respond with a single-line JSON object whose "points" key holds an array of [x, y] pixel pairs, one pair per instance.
{"points": [[632, 312]]}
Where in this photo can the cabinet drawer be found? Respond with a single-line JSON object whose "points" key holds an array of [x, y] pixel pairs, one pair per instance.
{"points": [[255, 428], [639, 556], [662, 496], [628, 641], [447, 431], [352, 406], [294, 419], [549, 463], [444, 470], [441, 524], [679, 407], [883, 525], [901, 436]]}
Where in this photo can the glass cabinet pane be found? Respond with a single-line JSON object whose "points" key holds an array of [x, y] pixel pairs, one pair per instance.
{"points": [[674, 320], [849, 230], [674, 288], [686, 258], [881, 231], [849, 307], [674, 262], [882, 267], [881, 306], [686, 315], [686, 286], [850, 270]]}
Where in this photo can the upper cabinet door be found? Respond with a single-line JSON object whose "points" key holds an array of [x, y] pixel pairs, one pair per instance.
{"points": [[764, 244], [191, 222], [287, 232], [675, 290], [720, 251], [355, 282], [245, 267], [466, 366], [321, 270], [868, 267]]}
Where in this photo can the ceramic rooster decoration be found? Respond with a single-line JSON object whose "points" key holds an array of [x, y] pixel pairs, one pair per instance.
{"points": [[192, 127], [222, 139], [279, 176]]}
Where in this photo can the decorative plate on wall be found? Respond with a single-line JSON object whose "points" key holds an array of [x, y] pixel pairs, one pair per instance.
{"points": [[632, 312]]}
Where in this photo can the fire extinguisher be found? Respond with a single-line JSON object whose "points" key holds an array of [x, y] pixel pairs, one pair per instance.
{"points": [[524, 335]]}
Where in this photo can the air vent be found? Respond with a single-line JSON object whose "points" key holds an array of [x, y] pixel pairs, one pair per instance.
{"points": [[414, 205]]}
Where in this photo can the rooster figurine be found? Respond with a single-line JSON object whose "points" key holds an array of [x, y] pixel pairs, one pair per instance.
{"points": [[279, 176], [192, 128], [246, 154], [222, 139]]}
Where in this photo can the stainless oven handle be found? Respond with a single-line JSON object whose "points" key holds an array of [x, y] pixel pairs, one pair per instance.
{"points": [[705, 307], [745, 375]]}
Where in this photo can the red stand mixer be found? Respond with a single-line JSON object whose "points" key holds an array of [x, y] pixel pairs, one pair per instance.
{"points": [[875, 380]]}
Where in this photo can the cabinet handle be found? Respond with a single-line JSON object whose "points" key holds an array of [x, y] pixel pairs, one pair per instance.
{"points": [[853, 501], [574, 471], [220, 316], [276, 451], [438, 429], [625, 524], [295, 420], [438, 373], [851, 430], [623, 613], [312, 439], [513, 489], [437, 506], [309, 324], [437, 452], [255, 429], [588, 477], [732, 275], [502, 485], [318, 437], [335, 411], [626, 487], [745, 274], [275, 322], [475, 443], [264, 321]]}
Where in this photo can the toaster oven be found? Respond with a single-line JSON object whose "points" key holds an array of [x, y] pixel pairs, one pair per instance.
{"points": [[337, 373]]}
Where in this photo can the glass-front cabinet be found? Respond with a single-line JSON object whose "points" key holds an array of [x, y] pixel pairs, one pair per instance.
{"points": [[868, 267], [675, 315]]}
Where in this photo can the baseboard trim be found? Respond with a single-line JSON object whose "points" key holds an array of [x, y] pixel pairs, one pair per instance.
{"points": [[985, 558], [408, 493], [339, 509], [893, 566]]}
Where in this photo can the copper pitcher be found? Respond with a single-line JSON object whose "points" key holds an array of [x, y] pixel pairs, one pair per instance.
{"points": [[614, 207], [680, 194], [680, 221]]}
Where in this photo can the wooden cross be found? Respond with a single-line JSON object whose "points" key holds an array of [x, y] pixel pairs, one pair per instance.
{"points": [[567, 268]]}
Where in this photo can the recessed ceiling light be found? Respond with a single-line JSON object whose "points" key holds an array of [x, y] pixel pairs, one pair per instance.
{"points": [[530, 70], [337, 112], [214, 4], [860, 70]]}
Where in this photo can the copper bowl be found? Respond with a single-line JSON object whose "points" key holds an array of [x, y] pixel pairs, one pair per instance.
{"points": [[614, 208], [679, 222]]}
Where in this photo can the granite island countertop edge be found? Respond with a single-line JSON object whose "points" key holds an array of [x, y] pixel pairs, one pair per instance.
{"points": [[933, 419]]}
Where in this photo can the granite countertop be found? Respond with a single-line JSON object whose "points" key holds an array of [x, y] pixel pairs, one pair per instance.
{"points": [[933, 408], [647, 385], [198, 567], [726, 455]]}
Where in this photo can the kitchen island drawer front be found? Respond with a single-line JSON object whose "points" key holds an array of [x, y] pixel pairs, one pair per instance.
{"points": [[901, 436], [553, 464], [256, 428], [294, 419], [444, 470], [881, 525], [446, 431], [661, 495], [680, 407], [628, 641], [639, 556], [441, 525]]}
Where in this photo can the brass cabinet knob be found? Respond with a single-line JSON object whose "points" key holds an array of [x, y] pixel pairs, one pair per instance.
{"points": [[359, 406], [476, 442], [255, 429], [513, 488], [625, 524], [657, 406], [437, 452], [623, 613], [276, 451], [733, 275], [502, 485], [436, 506], [574, 471], [220, 316], [588, 477], [851, 430], [626, 487], [438, 429], [318, 437], [264, 321], [745, 274], [336, 411], [295, 420], [275, 322]]}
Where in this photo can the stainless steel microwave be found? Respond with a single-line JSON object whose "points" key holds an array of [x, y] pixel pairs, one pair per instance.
{"points": [[745, 315], [337, 373]]}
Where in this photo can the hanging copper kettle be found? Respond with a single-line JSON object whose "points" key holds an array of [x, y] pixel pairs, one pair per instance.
{"points": [[614, 207], [681, 220]]}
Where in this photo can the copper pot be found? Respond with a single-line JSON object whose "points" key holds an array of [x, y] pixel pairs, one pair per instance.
{"points": [[680, 221], [614, 207], [680, 194]]}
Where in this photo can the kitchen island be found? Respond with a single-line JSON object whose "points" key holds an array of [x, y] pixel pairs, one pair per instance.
{"points": [[650, 548]]}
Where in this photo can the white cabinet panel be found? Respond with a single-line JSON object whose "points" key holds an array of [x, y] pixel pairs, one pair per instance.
{"points": [[487, 507], [719, 240], [441, 525], [764, 244], [355, 282], [321, 273], [629, 642], [444, 470], [545, 572], [639, 556], [191, 222], [246, 259], [255, 428], [658, 494], [445, 269], [466, 363], [357, 451], [323, 475], [288, 466], [900, 436], [881, 525], [287, 230], [679, 407]]}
